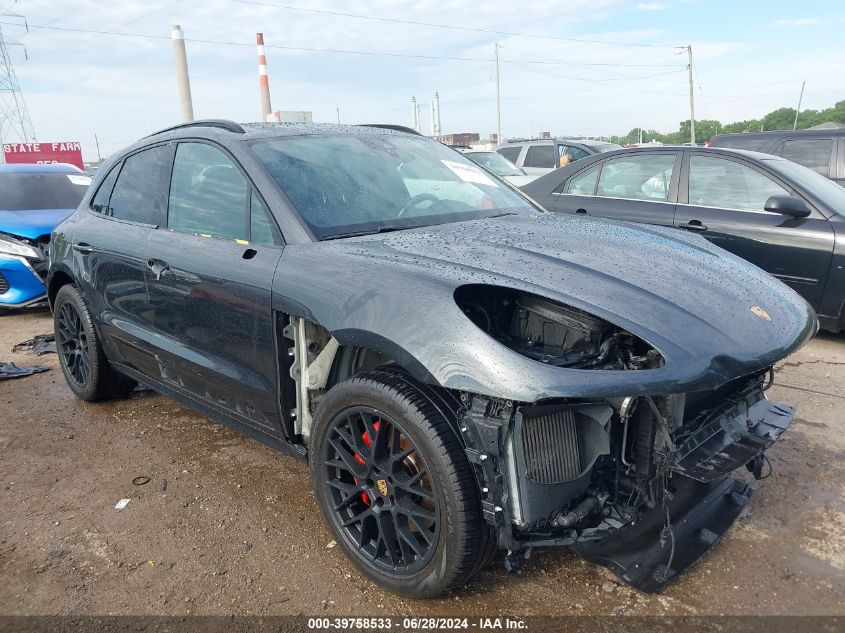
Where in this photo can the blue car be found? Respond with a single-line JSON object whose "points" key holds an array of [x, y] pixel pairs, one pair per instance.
{"points": [[33, 200]]}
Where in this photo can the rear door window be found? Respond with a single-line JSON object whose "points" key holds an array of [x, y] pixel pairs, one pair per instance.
{"points": [[640, 177], [810, 152], [726, 184], [541, 156], [140, 193], [511, 153]]}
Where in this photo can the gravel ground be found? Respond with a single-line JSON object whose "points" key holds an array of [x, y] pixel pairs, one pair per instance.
{"points": [[236, 530]]}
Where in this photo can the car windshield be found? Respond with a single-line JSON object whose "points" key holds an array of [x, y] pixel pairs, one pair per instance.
{"points": [[345, 184], [495, 162], [827, 191], [30, 191]]}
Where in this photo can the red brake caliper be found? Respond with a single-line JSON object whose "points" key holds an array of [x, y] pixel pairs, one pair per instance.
{"points": [[366, 437]]}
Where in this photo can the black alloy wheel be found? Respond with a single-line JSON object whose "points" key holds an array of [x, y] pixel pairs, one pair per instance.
{"points": [[72, 344], [382, 495], [81, 356], [394, 483]]}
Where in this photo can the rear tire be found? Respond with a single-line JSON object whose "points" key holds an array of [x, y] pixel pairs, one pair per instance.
{"points": [[81, 356], [395, 486]]}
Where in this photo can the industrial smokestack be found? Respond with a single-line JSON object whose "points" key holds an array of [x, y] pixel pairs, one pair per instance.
{"points": [[263, 80], [438, 129], [183, 81]]}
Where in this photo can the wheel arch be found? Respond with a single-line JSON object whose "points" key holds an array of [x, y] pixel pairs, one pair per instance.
{"points": [[58, 278]]}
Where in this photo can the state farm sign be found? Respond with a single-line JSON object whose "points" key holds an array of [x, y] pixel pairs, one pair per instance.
{"points": [[44, 153]]}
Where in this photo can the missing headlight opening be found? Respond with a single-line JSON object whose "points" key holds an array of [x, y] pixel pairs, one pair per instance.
{"points": [[553, 333]]}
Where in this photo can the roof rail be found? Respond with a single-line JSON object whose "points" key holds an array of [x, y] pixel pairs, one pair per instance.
{"points": [[223, 124], [391, 126]]}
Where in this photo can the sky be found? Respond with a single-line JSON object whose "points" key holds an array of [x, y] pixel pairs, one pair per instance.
{"points": [[580, 67]]}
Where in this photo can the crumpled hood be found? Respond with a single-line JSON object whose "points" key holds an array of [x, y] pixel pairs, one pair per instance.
{"points": [[686, 297], [32, 224]]}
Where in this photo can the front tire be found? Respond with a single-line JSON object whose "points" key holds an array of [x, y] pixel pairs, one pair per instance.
{"points": [[81, 356], [395, 486]]}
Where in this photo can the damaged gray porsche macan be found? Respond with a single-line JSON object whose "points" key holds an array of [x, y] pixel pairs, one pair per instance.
{"points": [[463, 372]]}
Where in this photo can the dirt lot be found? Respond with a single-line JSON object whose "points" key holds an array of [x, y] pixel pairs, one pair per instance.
{"points": [[237, 529]]}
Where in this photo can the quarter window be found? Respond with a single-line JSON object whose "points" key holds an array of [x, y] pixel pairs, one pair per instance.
{"points": [[813, 153], [584, 184], [641, 177], [208, 194], [541, 156], [717, 182], [140, 193], [100, 201]]}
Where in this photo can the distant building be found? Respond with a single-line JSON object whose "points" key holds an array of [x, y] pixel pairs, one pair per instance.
{"points": [[464, 138], [545, 135], [292, 116]]}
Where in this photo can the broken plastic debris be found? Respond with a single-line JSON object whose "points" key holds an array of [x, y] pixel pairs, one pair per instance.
{"points": [[10, 370], [122, 504], [40, 344]]}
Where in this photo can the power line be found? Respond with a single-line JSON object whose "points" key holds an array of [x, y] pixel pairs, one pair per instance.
{"points": [[454, 27], [68, 29], [599, 81]]}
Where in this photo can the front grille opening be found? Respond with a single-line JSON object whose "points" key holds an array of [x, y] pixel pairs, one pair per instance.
{"points": [[4, 284]]}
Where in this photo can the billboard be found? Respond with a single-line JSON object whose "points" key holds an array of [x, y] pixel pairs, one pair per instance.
{"points": [[44, 153]]}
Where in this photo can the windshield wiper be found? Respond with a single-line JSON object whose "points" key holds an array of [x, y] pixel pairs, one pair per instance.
{"points": [[381, 229]]}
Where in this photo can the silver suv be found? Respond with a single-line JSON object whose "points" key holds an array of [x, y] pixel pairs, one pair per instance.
{"points": [[542, 156]]}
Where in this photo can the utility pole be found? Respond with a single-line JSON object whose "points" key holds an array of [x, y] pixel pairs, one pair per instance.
{"points": [[800, 99], [691, 100], [499, 139], [97, 143], [183, 81], [14, 116]]}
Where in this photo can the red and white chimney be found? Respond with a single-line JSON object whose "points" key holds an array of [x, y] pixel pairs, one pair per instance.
{"points": [[263, 80]]}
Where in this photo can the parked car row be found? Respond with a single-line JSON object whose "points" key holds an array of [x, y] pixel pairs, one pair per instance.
{"points": [[781, 216], [464, 371]]}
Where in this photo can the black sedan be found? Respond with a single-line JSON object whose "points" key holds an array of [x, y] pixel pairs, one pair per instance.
{"points": [[783, 217], [464, 372]]}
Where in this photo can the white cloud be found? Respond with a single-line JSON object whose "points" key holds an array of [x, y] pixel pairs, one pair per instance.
{"points": [[651, 6], [797, 22]]}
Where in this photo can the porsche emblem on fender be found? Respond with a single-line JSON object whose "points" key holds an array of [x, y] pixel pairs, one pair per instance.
{"points": [[382, 487], [760, 312]]}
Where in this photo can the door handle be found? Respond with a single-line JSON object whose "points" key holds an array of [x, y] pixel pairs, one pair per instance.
{"points": [[581, 212], [693, 225], [157, 267], [83, 248]]}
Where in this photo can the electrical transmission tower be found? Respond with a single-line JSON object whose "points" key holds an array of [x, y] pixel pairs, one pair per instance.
{"points": [[15, 124]]}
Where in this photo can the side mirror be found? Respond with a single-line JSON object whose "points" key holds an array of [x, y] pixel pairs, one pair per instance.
{"points": [[787, 205]]}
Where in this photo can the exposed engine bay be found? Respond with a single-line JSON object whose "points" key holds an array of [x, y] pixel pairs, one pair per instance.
{"points": [[577, 474], [553, 333], [640, 484]]}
